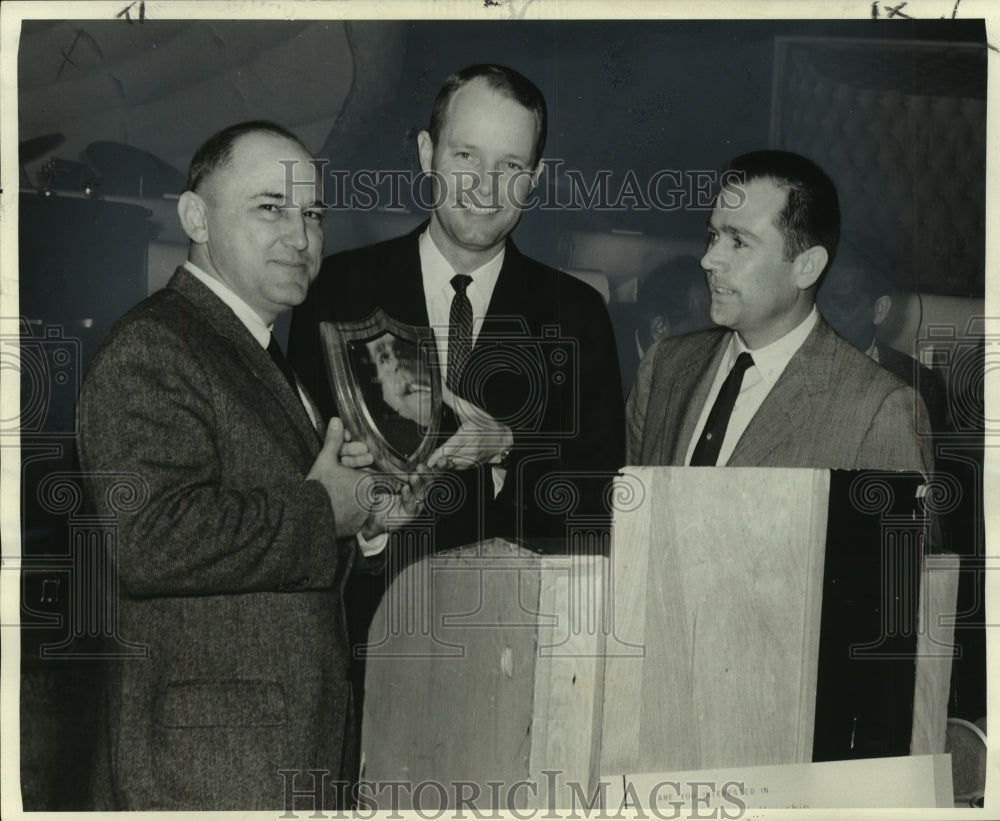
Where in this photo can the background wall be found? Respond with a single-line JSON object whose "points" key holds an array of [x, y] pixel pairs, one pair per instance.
{"points": [[623, 96]]}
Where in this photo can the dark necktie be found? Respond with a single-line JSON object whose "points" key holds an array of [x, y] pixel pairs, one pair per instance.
{"points": [[706, 452], [459, 330], [274, 350]]}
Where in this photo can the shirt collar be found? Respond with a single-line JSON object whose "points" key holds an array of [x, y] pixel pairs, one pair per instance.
{"points": [[771, 360], [872, 352], [247, 315], [437, 271]]}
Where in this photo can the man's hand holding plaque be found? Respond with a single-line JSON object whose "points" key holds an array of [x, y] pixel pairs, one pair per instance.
{"points": [[366, 503], [391, 500], [339, 481], [393, 504], [479, 440]]}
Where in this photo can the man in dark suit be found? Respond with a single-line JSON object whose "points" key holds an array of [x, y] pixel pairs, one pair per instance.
{"points": [[775, 386], [856, 299], [533, 423], [533, 426], [234, 552]]}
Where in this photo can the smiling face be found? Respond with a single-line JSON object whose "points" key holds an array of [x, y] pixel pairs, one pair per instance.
{"points": [[243, 231], [404, 388], [754, 289], [482, 173]]}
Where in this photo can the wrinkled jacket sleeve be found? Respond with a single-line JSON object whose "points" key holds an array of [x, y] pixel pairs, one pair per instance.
{"points": [[222, 507]]}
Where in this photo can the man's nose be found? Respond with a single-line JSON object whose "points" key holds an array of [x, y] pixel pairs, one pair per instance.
{"points": [[487, 181], [296, 235], [712, 259]]}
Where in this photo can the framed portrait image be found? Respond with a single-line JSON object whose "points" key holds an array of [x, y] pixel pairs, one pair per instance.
{"points": [[387, 381]]}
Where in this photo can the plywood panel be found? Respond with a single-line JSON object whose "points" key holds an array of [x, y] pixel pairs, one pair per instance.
{"points": [[569, 678], [935, 649], [488, 668], [725, 596]]}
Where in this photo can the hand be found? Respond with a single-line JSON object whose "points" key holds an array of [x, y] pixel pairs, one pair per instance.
{"points": [[394, 509], [354, 454], [480, 439], [340, 481]]}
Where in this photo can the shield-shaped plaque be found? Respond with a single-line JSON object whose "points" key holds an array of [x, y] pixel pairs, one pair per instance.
{"points": [[388, 385]]}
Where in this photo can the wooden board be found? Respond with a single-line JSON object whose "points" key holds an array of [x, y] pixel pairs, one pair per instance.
{"points": [[489, 669], [935, 650], [723, 573]]}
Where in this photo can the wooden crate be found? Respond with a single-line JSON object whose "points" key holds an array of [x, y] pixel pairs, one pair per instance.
{"points": [[524, 680]]}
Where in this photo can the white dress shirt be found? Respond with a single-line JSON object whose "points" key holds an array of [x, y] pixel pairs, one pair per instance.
{"points": [[768, 364], [438, 294]]}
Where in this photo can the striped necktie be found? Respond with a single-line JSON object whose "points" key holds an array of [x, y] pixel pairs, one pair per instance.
{"points": [[459, 330]]}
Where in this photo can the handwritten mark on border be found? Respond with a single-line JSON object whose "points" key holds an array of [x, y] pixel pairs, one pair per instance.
{"points": [[128, 17]]}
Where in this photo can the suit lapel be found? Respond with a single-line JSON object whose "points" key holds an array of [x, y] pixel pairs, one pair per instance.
{"points": [[693, 382], [401, 284], [506, 312], [254, 357], [790, 404], [784, 409]]}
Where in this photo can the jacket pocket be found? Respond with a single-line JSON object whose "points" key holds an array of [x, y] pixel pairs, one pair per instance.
{"points": [[214, 703]]}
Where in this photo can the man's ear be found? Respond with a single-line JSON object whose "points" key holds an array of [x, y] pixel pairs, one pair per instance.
{"points": [[425, 148], [193, 215], [882, 307], [808, 266], [659, 328], [536, 175]]}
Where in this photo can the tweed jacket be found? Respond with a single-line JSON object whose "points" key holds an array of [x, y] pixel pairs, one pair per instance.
{"points": [[228, 570], [832, 407]]}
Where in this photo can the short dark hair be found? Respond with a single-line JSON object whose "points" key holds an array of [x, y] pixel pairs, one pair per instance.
{"points": [[217, 150], [505, 80], [811, 215]]}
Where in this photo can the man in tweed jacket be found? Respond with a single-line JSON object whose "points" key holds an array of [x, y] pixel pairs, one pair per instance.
{"points": [[809, 398], [231, 570]]}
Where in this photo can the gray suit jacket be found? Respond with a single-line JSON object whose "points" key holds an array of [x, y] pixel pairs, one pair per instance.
{"points": [[832, 407], [227, 565]]}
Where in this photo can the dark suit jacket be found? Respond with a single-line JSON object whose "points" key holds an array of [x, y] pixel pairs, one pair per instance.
{"points": [[228, 568], [928, 384], [832, 407], [623, 320], [549, 352]]}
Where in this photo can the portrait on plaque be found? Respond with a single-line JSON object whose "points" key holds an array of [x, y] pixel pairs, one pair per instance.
{"points": [[386, 378]]}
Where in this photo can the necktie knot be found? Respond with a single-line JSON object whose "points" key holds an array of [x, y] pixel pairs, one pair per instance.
{"points": [[460, 282], [743, 362]]}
